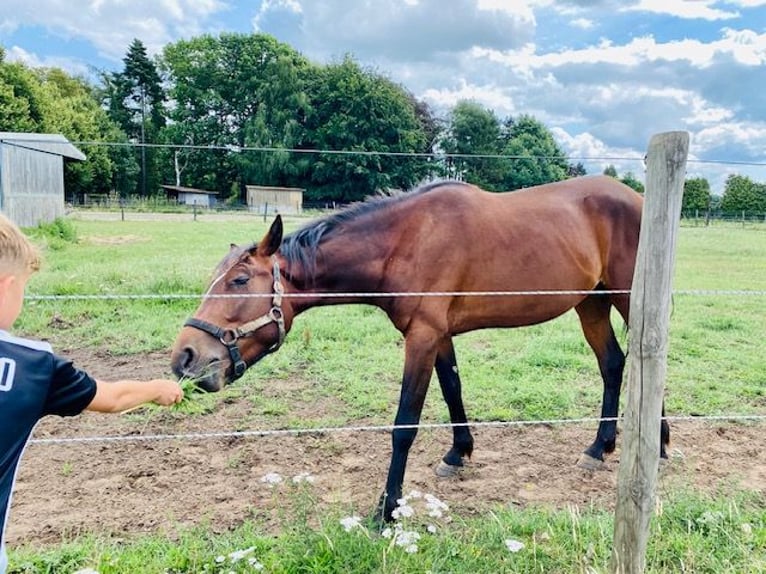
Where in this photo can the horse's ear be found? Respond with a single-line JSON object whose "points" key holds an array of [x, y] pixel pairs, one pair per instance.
{"points": [[273, 239]]}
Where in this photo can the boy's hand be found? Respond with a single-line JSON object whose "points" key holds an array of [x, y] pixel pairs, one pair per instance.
{"points": [[168, 392]]}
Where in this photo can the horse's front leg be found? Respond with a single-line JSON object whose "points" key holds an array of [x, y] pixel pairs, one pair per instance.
{"points": [[449, 380], [420, 352]]}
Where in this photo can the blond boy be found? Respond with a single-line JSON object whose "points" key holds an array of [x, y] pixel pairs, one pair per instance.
{"points": [[35, 382]]}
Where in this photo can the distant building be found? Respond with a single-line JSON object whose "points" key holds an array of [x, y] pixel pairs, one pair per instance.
{"points": [[272, 200], [190, 195], [32, 176]]}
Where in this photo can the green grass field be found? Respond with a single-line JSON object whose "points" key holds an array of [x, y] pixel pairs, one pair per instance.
{"points": [[354, 355]]}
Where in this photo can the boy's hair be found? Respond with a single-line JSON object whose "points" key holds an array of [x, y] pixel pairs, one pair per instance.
{"points": [[17, 253]]}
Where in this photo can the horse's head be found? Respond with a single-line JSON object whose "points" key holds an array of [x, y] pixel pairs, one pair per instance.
{"points": [[241, 319]]}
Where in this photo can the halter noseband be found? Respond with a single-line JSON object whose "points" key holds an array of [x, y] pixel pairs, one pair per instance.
{"points": [[229, 337]]}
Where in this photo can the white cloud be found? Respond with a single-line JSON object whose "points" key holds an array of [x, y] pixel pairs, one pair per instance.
{"points": [[74, 67], [269, 7], [751, 136], [744, 46], [110, 25], [596, 155], [488, 96], [583, 23], [386, 31], [684, 9]]}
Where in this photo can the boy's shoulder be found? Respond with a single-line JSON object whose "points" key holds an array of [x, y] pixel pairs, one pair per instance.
{"points": [[28, 343]]}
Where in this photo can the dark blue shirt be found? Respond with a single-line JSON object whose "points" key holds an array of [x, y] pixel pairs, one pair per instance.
{"points": [[34, 382]]}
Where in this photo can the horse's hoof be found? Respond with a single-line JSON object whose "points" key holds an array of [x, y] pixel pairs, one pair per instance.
{"points": [[444, 470], [587, 462]]}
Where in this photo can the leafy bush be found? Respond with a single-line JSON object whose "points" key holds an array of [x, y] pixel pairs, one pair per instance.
{"points": [[57, 233]]}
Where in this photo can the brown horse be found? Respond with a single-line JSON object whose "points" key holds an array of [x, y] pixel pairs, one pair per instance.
{"points": [[577, 235]]}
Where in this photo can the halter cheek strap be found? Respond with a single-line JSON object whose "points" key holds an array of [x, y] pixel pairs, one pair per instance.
{"points": [[229, 337]]}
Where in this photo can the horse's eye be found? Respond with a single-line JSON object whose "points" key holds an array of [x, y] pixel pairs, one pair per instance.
{"points": [[241, 280]]}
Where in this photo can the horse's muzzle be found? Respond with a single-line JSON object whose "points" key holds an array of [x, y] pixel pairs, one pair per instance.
{"points": [[208, 375]]}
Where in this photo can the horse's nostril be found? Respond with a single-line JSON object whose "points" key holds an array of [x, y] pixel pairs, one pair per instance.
{"points": [[184, 361], [188, 357]]}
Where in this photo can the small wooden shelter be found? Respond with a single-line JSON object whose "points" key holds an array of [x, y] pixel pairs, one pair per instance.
{"points": [[190, 195], [32, 176], [271, 200]]}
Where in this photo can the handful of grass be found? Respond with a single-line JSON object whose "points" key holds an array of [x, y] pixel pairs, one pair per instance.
{"points": [[189, 387]]}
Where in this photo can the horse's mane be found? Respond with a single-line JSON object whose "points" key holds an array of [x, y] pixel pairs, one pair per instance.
{"points": [[301, 246]]}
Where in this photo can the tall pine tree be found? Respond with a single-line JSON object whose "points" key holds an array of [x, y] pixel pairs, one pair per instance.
{"points": [[136, 102]]}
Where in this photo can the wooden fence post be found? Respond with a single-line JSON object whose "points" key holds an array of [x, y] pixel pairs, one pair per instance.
{"points": [[648, 349]]}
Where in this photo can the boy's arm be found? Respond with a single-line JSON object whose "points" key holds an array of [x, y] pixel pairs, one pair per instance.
{"points": [[113, 397]]}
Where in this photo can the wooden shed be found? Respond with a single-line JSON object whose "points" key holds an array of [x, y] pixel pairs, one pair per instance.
{"points": [[190, 195], [272, 200], [32, 176]]}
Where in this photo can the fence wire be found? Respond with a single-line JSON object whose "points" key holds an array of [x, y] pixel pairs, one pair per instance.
{"points": [[375, 295], [371, 428]]}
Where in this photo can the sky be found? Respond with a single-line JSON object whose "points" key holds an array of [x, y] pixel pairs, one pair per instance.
{"points": [[602, 75]]}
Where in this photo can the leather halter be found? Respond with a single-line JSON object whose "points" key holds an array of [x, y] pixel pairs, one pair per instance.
{"points": [[229, 337]]}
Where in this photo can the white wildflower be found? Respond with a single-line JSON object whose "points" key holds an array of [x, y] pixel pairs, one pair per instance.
{"points": [[272, 478], [351, 522], [303, 477], [411, 549], [431, 528], [220, 559], [238, 555], [747, 529], [254, 564], [407, 538], [403, 511], [387, 533], [433, 502], [414, 494], [514, 545], [436, 508]]}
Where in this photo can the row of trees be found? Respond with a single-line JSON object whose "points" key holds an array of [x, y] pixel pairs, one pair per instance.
{"points": [[221, 112], [740, 195], [214, 113]]}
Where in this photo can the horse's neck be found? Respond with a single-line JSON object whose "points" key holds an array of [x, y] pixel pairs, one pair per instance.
{"points": [[349, 265]]}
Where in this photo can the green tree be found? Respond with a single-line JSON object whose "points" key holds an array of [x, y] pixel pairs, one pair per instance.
{"points": [[352, 109], [135, 99], [536, 157], [696, 195], [74, 111], [628, 179], [23, 104], [474, 130], [632, 181], [236, 91], [49, 100], [576, 170], [743, 194]]}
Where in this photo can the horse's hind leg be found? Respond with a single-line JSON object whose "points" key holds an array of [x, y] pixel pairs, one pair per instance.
{"points": [[594, 317], [449, 380]]}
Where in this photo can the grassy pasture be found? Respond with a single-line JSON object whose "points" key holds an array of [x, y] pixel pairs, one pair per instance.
{"points": [[352, 354]]}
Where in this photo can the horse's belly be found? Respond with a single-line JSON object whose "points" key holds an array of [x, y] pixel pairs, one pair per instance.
{"points": [[509, 311]]}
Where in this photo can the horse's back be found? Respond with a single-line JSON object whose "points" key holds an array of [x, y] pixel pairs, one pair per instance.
{"points": [[569, 235]]}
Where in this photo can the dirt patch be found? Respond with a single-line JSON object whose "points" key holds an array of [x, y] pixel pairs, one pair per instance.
{"points": [[115, 239], [123, 488]]}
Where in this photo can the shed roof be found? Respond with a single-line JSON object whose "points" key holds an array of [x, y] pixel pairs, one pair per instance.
{"points": [[48, 143], [274, 188], [182, 189]]}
